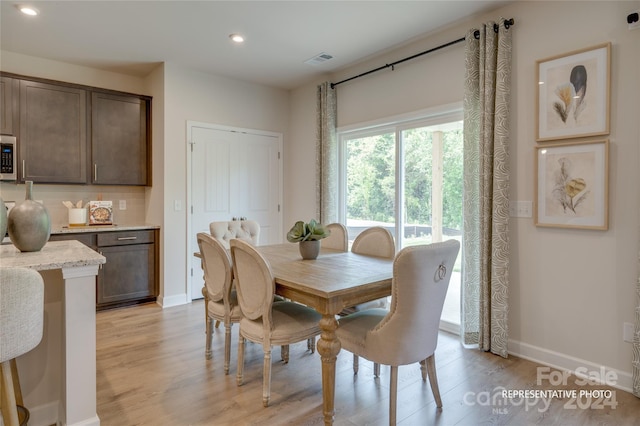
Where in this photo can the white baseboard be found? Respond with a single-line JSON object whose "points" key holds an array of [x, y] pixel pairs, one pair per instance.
{"points": [[167, 302], [579, 367]]}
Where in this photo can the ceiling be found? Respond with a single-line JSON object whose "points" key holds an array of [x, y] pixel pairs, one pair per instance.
{"points": [[133, 37]]}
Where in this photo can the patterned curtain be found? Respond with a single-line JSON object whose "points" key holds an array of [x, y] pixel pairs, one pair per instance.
{"points": [[327, 155], [486, 188]]}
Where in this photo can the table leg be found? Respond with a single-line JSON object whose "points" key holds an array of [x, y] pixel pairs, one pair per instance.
{"points": [[328, 347]]}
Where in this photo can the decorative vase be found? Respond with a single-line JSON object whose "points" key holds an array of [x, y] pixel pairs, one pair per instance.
{"points": [[29, 223], [309, 250], [3, 219]]}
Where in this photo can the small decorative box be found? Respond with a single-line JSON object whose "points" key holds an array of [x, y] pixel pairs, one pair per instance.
{"points": [[100, 213]]}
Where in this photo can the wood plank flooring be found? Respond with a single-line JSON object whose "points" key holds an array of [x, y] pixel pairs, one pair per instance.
{"points": [[152, 371]]}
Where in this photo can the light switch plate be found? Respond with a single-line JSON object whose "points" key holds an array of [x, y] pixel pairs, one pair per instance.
{"points": [[627, 332], [123, 204], [520, 208]]}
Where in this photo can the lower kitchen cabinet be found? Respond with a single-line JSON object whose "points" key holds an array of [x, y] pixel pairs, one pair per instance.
{"points": [[130, 275]]}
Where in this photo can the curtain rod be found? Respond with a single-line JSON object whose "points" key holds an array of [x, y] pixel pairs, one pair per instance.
{"points": [[476, 34]]}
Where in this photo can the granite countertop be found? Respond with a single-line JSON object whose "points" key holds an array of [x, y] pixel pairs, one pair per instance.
{"points": [[54, 255], [66, 229]]}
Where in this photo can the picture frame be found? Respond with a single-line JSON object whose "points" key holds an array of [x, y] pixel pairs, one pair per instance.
{"points": [[572, 185], [573, 98]]}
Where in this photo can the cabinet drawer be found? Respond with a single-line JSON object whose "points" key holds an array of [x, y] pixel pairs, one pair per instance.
{"points": [[87, 239], [125, 238]]}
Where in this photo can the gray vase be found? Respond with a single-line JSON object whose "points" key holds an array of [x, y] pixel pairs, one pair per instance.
{"points": [[309, 250], [29, 224], [3, 219]]}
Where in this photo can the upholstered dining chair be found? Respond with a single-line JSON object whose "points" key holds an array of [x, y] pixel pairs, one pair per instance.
{"points": [[374, 241], [264, 321], [221, 302], [225, 231], [408, 332], [21, 328], [337, 239]]}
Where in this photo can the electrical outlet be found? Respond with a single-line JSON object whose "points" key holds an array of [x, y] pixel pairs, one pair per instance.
{"points": [[627, 332], [123, 204], [520, 208]]}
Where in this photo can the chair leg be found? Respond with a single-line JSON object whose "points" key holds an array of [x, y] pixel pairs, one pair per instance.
{"points": [[311, 344], [208, 354], [423, 369], [217, 323], [393, 385], [355, 364], [284, 353], [433, 379], [9, 409], [240, 369], [376, 369], [227, 347], [266, 378]]}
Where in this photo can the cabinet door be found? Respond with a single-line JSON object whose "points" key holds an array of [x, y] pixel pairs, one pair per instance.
{"points": [[8, 106], [53, 133], [128, 274], [119, 139]]}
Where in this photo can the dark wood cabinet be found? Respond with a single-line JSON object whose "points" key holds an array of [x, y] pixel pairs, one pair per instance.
{"points": [[119, 139], [130, 274], [53, 133], [9, 88]]}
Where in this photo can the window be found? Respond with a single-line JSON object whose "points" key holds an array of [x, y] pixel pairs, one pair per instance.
{"points": [[406, 175]]}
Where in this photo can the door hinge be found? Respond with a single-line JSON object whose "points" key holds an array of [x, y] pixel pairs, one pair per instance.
{"points": [[191, 271], [278, 208], [191, 209], [278, 155]]}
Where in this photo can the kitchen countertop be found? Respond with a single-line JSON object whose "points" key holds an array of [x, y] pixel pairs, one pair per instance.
{"points": [[66, 229], [54, 255]]}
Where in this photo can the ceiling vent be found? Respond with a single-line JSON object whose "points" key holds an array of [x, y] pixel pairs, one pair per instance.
{"points": [[318, 59]]}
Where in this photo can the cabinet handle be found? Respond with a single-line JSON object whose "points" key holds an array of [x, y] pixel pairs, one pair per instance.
{"points": [[102, 264], [95, 172], [127, 238], [23, 169]]}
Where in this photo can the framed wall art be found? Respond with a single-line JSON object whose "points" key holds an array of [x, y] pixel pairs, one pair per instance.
{"points": [[573, 94], [572, 185]]}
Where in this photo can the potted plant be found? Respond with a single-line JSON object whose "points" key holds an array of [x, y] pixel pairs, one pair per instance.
{"points": [[308, 235]]}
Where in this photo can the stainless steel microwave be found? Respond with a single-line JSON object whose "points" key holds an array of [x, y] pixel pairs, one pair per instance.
{"points": [[8, 158]]}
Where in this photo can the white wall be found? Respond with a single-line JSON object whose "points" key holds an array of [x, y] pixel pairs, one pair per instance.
{"points": [[571, 290], [191, 95]]}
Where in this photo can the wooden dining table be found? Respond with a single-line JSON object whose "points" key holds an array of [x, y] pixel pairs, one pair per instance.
{"points": [[330, 283]]}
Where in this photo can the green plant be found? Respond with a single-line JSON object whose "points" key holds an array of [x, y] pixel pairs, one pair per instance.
{"points": [[307, 231]]}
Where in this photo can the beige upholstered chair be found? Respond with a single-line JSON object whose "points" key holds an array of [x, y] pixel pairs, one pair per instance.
{"points": [[247, 230], [408, 332], [221, 303], [374, 241], [21, 325], [263, 321], [338, 239]]}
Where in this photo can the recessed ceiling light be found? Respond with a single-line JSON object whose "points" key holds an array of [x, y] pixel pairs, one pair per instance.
{"points": [[28, 10], [236, 38]]}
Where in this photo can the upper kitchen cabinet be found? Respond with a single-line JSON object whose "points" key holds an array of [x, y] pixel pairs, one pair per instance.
{"points": [[120, 139], [8, 106], [53, 133]]}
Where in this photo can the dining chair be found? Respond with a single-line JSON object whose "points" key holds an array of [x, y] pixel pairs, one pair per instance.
{"points": [[221, 302], [337, 239], [21, 328], [264, 321], [408, 332], [375, 241], [225, 231]]}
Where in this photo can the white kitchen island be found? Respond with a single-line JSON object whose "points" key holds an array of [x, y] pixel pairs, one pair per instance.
{"points": [[58, 377]]}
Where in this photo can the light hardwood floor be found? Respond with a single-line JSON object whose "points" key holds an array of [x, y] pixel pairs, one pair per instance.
{"points": [[152, 371]]}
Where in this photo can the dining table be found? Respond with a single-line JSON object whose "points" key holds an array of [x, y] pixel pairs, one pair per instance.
{"points": [[333, 281]]}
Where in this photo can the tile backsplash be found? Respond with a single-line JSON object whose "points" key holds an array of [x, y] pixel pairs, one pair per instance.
{"points": [[53, 195]]}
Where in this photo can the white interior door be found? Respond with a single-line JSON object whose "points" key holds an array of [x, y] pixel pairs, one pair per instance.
{"points": [[234, 174]]}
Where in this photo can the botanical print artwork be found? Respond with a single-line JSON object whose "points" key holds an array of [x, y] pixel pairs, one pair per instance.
{"points": [[570, 180], [570, 100]]}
